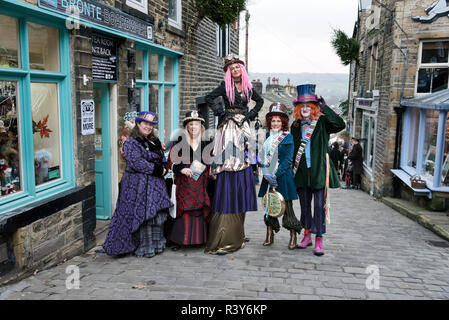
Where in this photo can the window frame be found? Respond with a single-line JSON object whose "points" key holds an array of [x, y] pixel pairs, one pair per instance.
{"points": [[145, 84], [368, 142], [372, 83], [222, 52], [178, 22], [421, 65], [142, 7], [407, 129], [24, 76]]}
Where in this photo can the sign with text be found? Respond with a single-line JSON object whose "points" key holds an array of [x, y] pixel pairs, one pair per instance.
{"points": [[87, 117], [104, 58], [93, 11]]}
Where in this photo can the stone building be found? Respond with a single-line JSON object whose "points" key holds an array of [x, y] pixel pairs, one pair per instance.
{"points": [[69, 81], [403, 58]]}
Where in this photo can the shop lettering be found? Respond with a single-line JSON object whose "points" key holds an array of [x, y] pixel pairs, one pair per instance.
{"points": [[88, 126], [101, 51], [88, 9]]}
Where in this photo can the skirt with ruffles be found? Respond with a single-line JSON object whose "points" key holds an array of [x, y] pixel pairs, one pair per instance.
{"points": [[235, 192]]}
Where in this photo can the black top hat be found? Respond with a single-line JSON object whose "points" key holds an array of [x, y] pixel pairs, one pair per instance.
{"points": [[192, 115]]}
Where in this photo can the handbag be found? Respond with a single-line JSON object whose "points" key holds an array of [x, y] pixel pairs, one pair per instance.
{"points": [[274, 203], [172, 210]]}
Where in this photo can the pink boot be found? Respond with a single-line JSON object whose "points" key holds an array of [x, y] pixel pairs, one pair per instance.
{"points": [[318, 251], [306, 241]]}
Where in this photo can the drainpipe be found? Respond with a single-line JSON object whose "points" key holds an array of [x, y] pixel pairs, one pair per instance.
{"points": [[399, 110]]}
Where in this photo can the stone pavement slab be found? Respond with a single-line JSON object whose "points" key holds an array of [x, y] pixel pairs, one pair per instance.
{"points": [[371, 252]]}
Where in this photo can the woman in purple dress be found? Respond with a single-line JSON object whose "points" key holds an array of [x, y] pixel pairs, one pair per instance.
{"points": [[138, 222]]}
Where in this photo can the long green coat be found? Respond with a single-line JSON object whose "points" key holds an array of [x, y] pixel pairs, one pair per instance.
{"points": [[328, 123]]}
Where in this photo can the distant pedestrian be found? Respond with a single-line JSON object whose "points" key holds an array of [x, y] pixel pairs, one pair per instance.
{"points": [[137, 225], [343, 156], [277, 153], [335, 156], [313, 174], [356, 158]]}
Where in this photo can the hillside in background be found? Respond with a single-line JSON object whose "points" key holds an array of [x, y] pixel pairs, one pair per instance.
{"points": [[332, 86]]}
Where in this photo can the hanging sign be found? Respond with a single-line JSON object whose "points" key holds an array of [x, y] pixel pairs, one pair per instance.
{"points": [[101, 14], [104, 58], [87, 117]]}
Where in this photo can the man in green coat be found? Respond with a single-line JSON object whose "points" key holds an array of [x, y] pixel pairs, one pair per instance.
{"points": [[314, 122]]}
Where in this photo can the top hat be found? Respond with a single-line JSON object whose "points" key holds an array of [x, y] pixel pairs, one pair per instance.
{"points": [[277, 109], [306, 93], [147, 116], [192, 116], [231, 59]]}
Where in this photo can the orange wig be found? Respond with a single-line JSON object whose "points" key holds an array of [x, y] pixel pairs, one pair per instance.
{"points": [[315, 112]]}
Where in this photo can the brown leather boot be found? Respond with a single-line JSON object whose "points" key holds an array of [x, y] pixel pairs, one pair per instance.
{"points": [[292, 243], [270, 237]]}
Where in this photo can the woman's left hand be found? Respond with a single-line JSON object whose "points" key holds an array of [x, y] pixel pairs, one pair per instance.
{"points": [[187, 172]]}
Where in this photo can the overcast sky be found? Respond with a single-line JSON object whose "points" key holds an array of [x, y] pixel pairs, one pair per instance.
{"points": [[294, 35]]}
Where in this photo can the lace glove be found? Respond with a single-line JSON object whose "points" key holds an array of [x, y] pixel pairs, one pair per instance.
{"points": [[321, 103]]}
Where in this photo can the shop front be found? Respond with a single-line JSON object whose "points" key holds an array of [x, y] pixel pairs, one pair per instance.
{"points": [[67, 86]]}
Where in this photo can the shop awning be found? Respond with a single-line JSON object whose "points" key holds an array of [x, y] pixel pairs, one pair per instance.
{"points": [[434, 101]]}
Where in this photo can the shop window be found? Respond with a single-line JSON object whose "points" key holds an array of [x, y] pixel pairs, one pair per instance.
{"points": [[36, 144], [168, 69], [430, 143], [433, 67], [168, 104], [175, 13], [141, 5], [46, 138], [154, 99], [139, 64], [9, 42], [43, 45], [413, 136], [367, 140], [10, 149], [158, 89], [421, 154], [154, 67], [139, 99]]}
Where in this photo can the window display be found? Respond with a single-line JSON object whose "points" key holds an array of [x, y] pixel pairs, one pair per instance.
{"points": [[430, 142], [9, 139], [45, 111]]}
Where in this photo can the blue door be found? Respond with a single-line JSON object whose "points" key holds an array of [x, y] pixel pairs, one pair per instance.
{"points": [[102, 152]]}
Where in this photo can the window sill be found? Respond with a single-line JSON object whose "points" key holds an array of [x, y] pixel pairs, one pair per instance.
{"points": [[405, 178], [176, 31]]}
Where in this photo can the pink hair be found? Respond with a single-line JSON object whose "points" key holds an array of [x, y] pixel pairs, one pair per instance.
{"points": [[246, 84]]}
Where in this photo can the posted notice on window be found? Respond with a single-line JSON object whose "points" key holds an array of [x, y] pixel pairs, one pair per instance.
{"points": [[87, 117]]}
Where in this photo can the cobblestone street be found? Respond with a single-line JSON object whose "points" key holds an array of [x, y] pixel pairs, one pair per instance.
{"points": [[364, 236]]}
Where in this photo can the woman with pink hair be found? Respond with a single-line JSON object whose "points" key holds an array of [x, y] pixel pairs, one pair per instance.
{"points": [[235, 190]]}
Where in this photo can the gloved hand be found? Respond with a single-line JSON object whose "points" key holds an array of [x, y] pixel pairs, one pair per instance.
{"points": [[321, 103], [218, 107], [271, 179]]}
